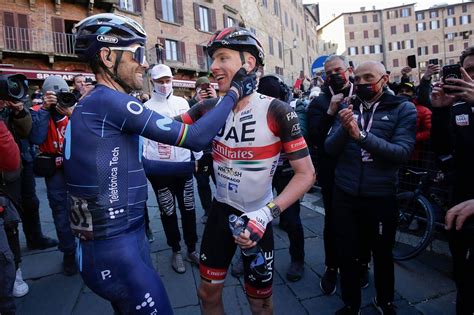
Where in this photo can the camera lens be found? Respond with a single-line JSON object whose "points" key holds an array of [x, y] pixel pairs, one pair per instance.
{"points": [[66, 99], [15, 88]]}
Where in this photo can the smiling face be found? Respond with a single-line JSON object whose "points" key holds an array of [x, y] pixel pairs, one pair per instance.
{"points": [[226, 62], [130, 71]]}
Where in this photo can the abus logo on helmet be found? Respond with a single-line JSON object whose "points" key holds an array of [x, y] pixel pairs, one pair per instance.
{"points": [[107, 39]]}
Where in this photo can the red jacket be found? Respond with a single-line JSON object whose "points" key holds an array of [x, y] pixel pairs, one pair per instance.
{"points": [[423, 130], [9, 150]]}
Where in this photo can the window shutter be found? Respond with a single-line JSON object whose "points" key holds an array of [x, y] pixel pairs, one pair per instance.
{"points": [[181, 52], [469, 19], [9, 19], [58, 25], [179, 11], [200, 56], [213, 24], [389, 46], [158, 10], [445, 22], [419, 51], [137, 4], [225, 21], [424, 25], [197, 24]]}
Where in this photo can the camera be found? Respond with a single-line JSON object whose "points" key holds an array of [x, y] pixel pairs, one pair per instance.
{"points": [[65, 98], [13, 87]]}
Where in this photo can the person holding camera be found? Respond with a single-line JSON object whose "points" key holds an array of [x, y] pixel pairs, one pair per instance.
{"points": [[49, 126], [204, 90], [452, 133], [18, 122]]}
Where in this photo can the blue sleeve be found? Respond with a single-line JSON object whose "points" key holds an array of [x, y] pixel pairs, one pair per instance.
{"points": [[134, 118], [165, 168], [39, 130], [336, 140]]}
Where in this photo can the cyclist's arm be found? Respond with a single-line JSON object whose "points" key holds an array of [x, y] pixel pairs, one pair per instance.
{"points": [[284, 123], [137, 119], [197, 111]]}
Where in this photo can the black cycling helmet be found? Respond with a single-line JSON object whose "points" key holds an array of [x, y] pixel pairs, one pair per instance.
{"points": [[237, 38], [106, 30], [273, 86]]}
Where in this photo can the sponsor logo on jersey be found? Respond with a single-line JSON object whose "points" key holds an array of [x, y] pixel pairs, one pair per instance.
{"points": [[462, 120], [229, 171], [291, 115], [147, 301], [163, 123], [294, 145], [244, 118], [106, 274], [295, 129], [233, 153], [113, 184], [247, 132], [233, 187], [134, 107], [107, 39]]}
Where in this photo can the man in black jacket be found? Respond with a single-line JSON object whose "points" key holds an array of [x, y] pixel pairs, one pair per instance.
{"points": [[453, 133], [322, 112], [370, 138]]}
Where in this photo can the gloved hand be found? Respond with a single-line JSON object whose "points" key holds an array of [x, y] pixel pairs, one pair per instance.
{"points": [[204, 164], [243, 83], [257, 222]]}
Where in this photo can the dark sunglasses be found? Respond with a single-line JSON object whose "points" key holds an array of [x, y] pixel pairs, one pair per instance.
{"points": [[139, 53]]}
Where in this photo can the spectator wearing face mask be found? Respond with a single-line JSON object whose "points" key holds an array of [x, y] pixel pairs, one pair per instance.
{"points": [[170, 171]]}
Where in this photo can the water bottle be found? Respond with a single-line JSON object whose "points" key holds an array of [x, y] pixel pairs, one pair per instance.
{"points": [[258, 266]]}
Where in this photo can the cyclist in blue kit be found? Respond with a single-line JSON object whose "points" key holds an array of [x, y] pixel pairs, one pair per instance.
{"points": [[106, 183]]}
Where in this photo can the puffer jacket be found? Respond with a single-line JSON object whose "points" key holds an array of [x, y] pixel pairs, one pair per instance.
{"points": [[390, 142]]}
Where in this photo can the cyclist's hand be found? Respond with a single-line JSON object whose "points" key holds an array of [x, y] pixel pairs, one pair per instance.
{"points": [[243, 83], [257, 224], [458, 214]]}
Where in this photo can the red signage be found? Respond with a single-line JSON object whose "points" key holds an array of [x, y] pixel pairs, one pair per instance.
{"points": [[34, 74]]}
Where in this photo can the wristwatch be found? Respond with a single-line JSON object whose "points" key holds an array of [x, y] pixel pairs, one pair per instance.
{"points": [[275, 210], [362, 135]]}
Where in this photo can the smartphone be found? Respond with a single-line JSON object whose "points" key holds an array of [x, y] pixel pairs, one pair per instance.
{"points": [[451, 72], [433, 61], [411, 61], [351, 64]]}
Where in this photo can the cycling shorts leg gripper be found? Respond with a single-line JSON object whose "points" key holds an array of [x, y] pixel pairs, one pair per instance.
{"points": [[120, 271], [218, 245], [261, 288]]}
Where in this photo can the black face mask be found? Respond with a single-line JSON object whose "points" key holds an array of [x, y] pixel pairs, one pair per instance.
{"points": [[367, 91], [337, 81]]}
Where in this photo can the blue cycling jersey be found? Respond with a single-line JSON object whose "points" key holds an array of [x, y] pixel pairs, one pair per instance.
{"points": [[106, 182]]}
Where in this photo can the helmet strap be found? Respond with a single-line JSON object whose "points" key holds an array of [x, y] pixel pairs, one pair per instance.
{"points": [[114, 75], [242, 59]]}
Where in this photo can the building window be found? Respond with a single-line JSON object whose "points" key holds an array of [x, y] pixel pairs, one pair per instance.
{"points": [[434, 14], [450, 10], [393, 30], [405, 12], [366, 50], [292, 25], [464, 8], [451, 47], [204, 19], [351, 35], [376, 33], [286, 19], [228, 21], [265, 3], [420, 16], [466, 44], [171, 50], [406, 28], [395, 63], [422, 51], [278, 70], [450, 22], [435, 49], [420, 26], [297, 30], [364, 18], [276, 7], [270, 45], [167, 7], [465, 19], [352, 51], [377, 49], [375, 18], [350, 20], [291, 57], [450, 36], [130, 5], [409, 44], [280, 50], [366, 34], [434, 24]]}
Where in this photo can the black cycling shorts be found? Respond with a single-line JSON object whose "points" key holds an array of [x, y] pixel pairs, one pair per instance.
{"points": [[218, 247]]}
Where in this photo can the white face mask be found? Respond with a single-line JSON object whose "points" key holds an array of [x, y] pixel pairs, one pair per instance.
{"points": [[163, 89]]}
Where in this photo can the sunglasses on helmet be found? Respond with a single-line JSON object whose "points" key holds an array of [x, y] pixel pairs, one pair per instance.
{"points": [[139, 54]]}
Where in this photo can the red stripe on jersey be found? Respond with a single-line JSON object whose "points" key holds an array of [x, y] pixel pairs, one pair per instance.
{"points": [[295, 145], [246, 153], [186, 119], [212, 274], [262, 293]]}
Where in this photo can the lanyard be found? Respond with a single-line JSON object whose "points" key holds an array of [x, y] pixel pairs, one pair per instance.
{"points": [[362, 120], [350, 91]]}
